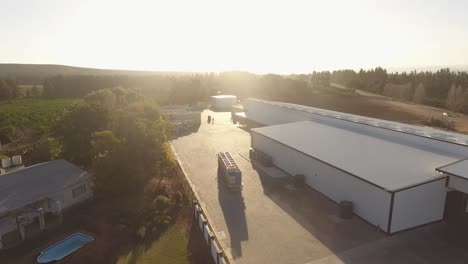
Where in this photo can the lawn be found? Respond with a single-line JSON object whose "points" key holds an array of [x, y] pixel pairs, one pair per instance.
{"points": [[171, 248], [112, 223]]}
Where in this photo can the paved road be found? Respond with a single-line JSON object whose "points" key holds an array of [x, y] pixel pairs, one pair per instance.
{"points": [[270, 224]]}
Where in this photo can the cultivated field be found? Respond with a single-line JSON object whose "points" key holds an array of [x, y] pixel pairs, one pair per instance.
{"points": [[24, 118]]}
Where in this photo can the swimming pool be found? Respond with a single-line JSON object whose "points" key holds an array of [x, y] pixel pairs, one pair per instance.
{"points": [[64, 248]]}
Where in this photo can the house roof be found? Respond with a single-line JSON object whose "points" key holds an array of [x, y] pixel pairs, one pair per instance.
{"points": [[27, 185], [368, 155]]}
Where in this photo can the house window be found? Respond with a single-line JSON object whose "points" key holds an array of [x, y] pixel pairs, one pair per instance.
{"points": [[79, 191]]}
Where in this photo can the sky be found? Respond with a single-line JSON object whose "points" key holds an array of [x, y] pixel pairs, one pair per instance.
{"points": [[289, 36]]}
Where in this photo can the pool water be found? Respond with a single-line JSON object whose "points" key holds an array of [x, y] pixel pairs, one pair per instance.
{"points": [[64, 248]]}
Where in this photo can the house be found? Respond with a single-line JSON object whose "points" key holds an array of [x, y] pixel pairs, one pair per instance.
{"points": [[32, 199]]}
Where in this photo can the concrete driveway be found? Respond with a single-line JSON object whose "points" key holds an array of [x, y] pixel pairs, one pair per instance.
{"points": [[266, 223]]}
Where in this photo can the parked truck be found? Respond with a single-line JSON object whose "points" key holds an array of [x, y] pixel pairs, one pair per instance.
{"points": [[229, 171]]}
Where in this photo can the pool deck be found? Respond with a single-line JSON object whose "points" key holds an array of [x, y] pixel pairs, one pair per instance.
{"points": [[64, 248]]}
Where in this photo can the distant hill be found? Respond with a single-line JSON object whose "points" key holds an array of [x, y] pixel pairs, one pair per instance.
{"points": [[36, 73]]}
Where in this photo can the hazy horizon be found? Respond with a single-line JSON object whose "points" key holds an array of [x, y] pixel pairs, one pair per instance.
{"points": [[255, 36]]}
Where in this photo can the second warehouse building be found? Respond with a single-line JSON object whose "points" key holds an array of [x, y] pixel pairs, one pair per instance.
{"points": [[395, 180]]}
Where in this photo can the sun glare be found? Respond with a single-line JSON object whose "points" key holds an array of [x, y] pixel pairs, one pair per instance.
{"points": [[258, 36]]}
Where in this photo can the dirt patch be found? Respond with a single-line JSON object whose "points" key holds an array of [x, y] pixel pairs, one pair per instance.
{"points": [[360, 105], [382, 108], [424, 112]]}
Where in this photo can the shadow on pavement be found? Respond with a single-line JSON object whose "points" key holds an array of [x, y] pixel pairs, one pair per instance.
{"points": [[356, 241], [233, 207], [183, 131]]}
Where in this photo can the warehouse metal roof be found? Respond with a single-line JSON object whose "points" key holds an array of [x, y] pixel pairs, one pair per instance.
{"points": [[390, 125], [459, 168], [369, 155], [27, 185]]}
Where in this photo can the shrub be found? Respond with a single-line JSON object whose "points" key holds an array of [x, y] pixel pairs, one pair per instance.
{"points": [[162, 203], [141, 232]]}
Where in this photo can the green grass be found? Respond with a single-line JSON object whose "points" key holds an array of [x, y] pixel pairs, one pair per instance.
{"points": [[21, 117], [170, 248]]}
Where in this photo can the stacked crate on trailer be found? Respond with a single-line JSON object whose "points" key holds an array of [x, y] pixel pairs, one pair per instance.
{"points": [[228, 169]]}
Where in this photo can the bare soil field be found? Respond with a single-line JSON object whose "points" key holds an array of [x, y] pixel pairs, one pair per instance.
{"points": [[382, 108]]}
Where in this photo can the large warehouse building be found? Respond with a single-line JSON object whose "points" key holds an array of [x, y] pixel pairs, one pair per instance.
{"points": [[223, 102], [398, 176]]}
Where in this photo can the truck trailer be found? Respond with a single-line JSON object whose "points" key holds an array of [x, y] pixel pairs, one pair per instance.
{"points": [[229, 171]]}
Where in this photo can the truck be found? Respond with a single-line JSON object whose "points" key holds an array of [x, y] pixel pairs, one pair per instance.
{"points": [[229, 171]]}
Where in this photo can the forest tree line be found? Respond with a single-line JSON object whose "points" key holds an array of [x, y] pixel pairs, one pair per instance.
{"points": [[190, 88], [10, 89], [443, 88]]}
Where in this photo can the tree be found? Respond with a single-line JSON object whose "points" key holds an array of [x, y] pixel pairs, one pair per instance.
{"points": [[419, 94], [45, 149], [76, 129], [103, 143], [108, 163], [35, 91], [125, 156], [120, 136], [8, 89]]}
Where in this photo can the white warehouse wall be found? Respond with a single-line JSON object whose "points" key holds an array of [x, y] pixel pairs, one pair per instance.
{"points": [[370, 202], [223, 102], [458, 184], [418, 205]]}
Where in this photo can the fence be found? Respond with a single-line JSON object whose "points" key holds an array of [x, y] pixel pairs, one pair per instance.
{"points": [[213, 243], [202, 220]]}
